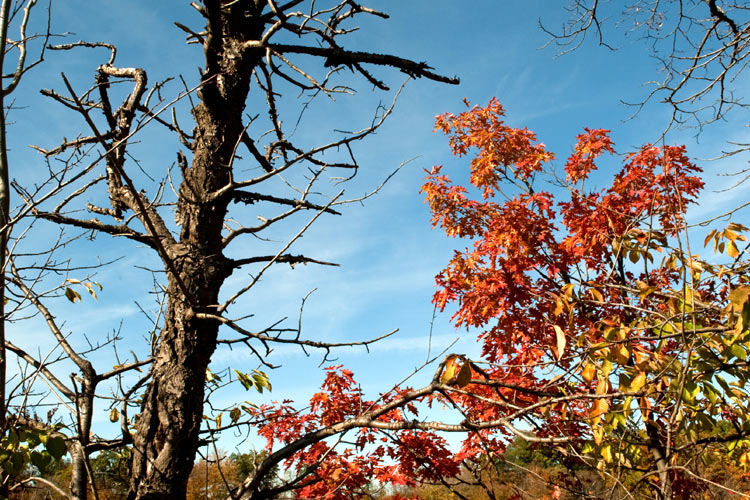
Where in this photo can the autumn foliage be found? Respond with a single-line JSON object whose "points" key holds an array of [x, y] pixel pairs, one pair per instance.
{"points": [[605, 338], [600, 327]]}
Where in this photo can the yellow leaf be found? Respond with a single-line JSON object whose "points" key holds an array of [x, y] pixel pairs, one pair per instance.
{"points": [[743, 460], [596, 294], [621, 333], [588, 372], [646, 292], [739, 296], [638, 382], [621, 354], [599, 408], [671, 262], [695, 265], [602, 387], [72, 295], [616, 244], [626, 405], [545, 411], [559, 306], [598, 433], [560, 342], [641, 360], [606, 453], [730, 235], [708, 238], [732, 250]]}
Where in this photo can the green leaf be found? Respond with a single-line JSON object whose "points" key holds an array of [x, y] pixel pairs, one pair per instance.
{"points": [[745, 317], [56, 447], [246, 381], [690, 392], [711, 392], [704, 422], [722, 383], [13, 439], [261, 380], [738, 352], [41, 460], [14, 466], [33, 438], [619, 420], [212, 377]]}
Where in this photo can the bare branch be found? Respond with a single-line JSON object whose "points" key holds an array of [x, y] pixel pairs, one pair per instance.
{"points": [[282, 259]]}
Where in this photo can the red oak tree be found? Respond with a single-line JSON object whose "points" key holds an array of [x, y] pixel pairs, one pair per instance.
{"points": [[601, 329]]}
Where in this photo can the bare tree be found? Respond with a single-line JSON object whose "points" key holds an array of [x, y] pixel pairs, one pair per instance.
{"points": [[14, 15], [19, 299], [79, 395], [9, 11], [702, 47], [262, 49]]}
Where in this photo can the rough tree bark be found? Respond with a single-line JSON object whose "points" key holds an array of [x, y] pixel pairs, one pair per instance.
{"points": [[167, 431]]}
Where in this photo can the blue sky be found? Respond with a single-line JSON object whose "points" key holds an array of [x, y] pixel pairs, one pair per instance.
{"points": [[387, 251]]}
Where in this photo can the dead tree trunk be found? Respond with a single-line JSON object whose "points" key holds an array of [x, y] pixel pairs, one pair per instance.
{"points": [[167, 438]]}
